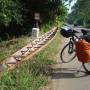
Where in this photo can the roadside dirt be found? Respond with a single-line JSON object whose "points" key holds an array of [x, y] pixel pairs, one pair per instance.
{"points": [[54, 83]]}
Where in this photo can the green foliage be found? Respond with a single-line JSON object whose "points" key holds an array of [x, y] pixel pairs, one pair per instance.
{"points": [[33, 74], [48, 9], [81, 11], [17, 16], [10, 11], [9, 47], [17, 10]]}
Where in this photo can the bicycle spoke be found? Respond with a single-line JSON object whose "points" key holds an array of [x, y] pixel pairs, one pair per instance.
{"points": [[67, 53]]}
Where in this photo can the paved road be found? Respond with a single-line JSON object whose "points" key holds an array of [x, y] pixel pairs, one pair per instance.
{"points": [[67, 77]]}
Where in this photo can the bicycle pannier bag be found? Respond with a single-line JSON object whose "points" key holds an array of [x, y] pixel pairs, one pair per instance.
{"points": [[83, 50]]}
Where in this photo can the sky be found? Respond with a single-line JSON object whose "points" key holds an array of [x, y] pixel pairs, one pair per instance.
{"points": [[72, 3]]}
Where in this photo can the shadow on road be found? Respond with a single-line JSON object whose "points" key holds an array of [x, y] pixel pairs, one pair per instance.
{"points": [[66, 73]]}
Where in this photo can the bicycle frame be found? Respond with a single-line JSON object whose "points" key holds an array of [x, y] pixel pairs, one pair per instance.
{"points": [[72, 42], [70, 46]]}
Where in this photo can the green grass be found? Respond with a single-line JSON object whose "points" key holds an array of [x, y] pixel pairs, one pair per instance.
{"points": [[32, 74], [9, 47]]}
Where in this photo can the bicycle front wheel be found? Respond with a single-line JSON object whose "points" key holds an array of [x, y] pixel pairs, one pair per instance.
{"points": [[68, 53], [86, 66]]}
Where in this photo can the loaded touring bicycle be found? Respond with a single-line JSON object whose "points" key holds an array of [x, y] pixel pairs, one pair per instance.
{"points": [[77, 46]]}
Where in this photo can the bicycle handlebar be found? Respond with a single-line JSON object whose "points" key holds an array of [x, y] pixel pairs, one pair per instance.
{"points": [[85, 36], [68, 31]]}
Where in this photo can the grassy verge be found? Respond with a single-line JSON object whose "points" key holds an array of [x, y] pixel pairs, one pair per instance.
{"points": [[33, 74], [9, 47]]}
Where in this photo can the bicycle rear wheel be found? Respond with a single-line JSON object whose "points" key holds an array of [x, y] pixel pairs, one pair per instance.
{"points": [[68, 53], [86, 66]]}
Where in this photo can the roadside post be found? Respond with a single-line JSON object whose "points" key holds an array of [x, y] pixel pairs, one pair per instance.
{"points": [[35, 29]]}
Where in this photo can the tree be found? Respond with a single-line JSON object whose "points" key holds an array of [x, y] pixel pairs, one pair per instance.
{"points": [[81, 10], [10, 10], [48, 9], [21, 12]]}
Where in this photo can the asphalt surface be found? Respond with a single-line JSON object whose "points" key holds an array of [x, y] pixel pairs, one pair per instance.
{"points": [[69, 76]]}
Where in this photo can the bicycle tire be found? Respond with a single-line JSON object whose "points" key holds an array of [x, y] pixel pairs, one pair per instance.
{"points": [[86, 66], [63, 57]]}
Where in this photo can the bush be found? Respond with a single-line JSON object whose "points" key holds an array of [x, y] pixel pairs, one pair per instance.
{"points": [[10, 11]]}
